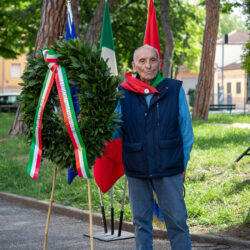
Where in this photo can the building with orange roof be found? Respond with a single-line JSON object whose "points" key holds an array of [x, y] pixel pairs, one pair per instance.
{"points": [[231, 82]]}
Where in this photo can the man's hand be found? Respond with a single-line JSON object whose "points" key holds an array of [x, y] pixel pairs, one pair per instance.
{"points": [[183, 176]]}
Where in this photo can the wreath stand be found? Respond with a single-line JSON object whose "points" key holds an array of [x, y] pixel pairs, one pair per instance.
{"points": [[243, 154], [49, 210], [49, 213], [113, 234], [88, 86]]}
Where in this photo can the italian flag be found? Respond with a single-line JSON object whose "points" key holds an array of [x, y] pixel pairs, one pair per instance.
{"points": [[109, 168], [107, 43]]}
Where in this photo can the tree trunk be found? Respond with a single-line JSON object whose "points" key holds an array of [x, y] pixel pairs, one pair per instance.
{"points": [[206, 75], [52, 27], [176, 72], [95, 26], [169, 38], [53, 23], [17, 127]]}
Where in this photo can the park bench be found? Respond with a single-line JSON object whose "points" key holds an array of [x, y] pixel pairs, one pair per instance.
{"points": [[8, 102], [217, 107], [8, 108]]}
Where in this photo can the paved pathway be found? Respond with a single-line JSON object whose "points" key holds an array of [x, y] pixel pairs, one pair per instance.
{"points": [[22, 228], [235, 125]]}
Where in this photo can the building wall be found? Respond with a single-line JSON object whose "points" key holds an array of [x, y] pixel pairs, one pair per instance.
{"points": [[232, 53], [11, 71], [189, 80], [233, 77]]}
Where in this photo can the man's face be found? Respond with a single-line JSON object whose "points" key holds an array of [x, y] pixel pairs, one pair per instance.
{"points": [[146, 64]]}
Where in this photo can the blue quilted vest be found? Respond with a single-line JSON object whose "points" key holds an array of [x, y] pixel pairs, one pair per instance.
{"points": [[152, 141]]}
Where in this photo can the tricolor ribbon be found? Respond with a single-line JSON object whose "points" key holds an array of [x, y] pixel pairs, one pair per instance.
{"points": [[58, 73]]}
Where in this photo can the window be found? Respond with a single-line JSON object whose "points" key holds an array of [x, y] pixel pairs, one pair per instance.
{"points": [[229, 88], [238, 87], [15, 70], [8, 99]]}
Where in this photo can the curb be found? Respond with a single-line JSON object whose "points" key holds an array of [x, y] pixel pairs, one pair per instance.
{"points": [[127, 226]]}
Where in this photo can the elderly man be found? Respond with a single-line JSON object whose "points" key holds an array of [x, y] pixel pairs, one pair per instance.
{"points": [[157, 139]]}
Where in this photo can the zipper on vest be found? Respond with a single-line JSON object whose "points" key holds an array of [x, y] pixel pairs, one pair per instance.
{"points": [[158, 113]]}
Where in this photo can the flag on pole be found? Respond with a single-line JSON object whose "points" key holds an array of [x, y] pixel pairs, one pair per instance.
{"points": [[152, 38], [152, 35], [109, 168], [107, 43], [70, 28], [71, 34]]}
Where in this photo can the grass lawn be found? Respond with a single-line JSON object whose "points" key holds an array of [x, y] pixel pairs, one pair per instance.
{"points": [[6, 120], [217, 190]]}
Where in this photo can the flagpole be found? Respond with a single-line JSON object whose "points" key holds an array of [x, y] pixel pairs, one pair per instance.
{"points": [[103, 212], [112, 211], [49, 210], [122, 207], [90, 217], [148, 2]]}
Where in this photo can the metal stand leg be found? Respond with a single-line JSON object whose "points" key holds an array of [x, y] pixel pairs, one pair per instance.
{"points": [[114, 234], [245, 153], [103, 212]]}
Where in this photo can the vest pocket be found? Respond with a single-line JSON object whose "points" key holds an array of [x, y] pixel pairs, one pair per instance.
{"points": [[171, 153], [132, 147], [169, 143], [133, 157]]}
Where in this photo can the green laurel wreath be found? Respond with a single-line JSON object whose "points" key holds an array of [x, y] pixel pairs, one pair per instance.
{"points": [[97, 93]]}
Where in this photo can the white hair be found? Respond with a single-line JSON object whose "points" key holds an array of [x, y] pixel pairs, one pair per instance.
{"points": [[146, 46]]}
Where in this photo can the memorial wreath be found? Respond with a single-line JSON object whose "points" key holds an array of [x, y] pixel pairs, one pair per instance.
{"points": [[97, 94]]}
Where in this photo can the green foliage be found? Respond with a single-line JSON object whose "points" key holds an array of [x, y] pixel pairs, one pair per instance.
{"points": [[223, 118], [217, 191], [87, 9], [230, 22], [20, 21], [97, 100], [128, 24], [246, 58], [187, 23], [246, 54], [227, 6], [19, 24]]}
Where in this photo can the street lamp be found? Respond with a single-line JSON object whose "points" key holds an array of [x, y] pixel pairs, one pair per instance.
{"points": [[221, 92]]}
